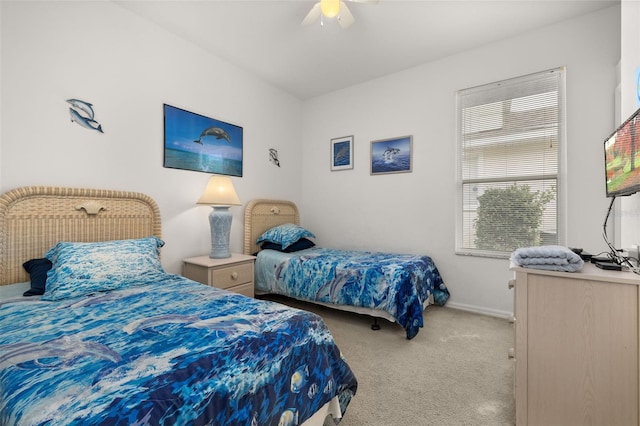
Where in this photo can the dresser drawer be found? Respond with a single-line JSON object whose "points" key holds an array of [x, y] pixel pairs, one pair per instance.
{"points": [[231, 276]]}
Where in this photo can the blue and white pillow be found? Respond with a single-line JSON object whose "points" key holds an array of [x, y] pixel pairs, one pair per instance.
{"points": [[85, 268], [285, 235]]}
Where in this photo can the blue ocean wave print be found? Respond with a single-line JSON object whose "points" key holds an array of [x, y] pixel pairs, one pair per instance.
{"points": [[202, 162], [400, 162], [174, 352], [398, 284]]}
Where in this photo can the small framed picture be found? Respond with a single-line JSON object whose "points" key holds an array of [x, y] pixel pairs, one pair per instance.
{"points": [[392, 155], [342, 153]]}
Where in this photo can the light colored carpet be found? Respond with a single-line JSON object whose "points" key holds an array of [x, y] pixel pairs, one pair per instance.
{"points": [[454, 372]]}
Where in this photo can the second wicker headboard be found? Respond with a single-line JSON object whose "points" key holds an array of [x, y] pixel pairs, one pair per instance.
{"points": [[263, 214]]}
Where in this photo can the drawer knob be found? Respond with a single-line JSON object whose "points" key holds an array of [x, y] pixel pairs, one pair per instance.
{"points": [[511, 353], [512, 284], [234, 275], [512, 319]]}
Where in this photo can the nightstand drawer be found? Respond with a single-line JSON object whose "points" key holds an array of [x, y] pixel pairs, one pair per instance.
{"points": [[244, 289], [233, 273], [232, 276]]}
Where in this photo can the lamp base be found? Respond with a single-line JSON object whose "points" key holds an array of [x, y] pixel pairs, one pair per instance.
{"points": [[220, 220]]}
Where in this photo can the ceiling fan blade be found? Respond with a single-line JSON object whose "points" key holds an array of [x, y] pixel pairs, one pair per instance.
{"points": [[345, 19], [313, 15]]}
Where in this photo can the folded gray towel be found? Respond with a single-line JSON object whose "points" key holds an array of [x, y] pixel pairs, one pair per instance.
{"points": [[552, 258]]}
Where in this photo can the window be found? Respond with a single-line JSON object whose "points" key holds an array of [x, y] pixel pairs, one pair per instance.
{"points": [[510, 135]]}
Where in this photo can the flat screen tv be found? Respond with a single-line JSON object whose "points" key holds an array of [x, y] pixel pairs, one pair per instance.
{"points": [[622, 158]]}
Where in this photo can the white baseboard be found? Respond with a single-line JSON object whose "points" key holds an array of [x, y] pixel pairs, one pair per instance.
{"points": [[480, 310]]}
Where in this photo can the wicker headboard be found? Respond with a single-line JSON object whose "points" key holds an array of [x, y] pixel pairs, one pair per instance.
{"points": [[34, 219], [263, 214]]}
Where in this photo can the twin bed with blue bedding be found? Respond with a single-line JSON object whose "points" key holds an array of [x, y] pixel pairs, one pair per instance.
{"points": [[168, 352], [115, 340], [397, 287]]}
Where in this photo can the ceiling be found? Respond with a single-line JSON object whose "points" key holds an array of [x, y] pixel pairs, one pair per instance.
{"points": [[265, 37]]}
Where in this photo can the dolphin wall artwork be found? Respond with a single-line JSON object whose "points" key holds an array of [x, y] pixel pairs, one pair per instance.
{"points": [[199, 143], [342, 153], [273, 156], [392, 155], [82, 113]]}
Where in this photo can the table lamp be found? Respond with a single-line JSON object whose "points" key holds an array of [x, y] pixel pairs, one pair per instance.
{"points": [[220, 195]]}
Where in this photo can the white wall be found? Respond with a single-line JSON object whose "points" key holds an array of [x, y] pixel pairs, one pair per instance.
{"points": [[101, 53], [628, 212], [1, 93], [415, 212]]}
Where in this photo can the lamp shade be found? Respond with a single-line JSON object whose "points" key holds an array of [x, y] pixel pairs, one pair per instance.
{"points": [[219, 192]]}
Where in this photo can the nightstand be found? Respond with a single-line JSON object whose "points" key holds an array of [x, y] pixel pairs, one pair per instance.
{"points": [[234, 273]]}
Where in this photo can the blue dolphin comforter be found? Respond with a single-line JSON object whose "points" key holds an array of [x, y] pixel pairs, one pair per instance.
{"points": [[398, 284], [174, 352]]}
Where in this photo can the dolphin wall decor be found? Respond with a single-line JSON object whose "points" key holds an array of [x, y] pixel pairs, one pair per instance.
{"points": [[81, 112], [273, 156]]}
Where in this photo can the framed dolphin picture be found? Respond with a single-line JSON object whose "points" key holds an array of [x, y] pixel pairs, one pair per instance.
{"points": [[392, 155], [202, 144], [342, 153]]}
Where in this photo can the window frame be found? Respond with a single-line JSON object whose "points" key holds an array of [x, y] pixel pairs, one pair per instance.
{"points": [[561, 180]]}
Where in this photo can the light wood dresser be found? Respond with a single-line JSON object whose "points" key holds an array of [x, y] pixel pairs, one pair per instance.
{"points": [[234, 273], [576, 347]]}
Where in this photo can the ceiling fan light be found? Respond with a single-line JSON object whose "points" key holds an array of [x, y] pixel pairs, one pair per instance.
{"points": [[330, 8]]}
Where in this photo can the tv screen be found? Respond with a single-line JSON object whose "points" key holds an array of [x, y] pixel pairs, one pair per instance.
{"points": [[622, 158]]}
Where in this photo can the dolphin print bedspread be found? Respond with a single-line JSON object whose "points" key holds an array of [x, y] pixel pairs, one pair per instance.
{"points": [[398, 284], [174, 352]]}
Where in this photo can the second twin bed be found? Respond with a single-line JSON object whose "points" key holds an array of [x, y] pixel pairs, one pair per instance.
{"points": [[397, 287]]}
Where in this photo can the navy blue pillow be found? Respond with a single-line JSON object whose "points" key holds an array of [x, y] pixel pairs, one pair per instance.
{"points": [[301, 244], [37, 269]]}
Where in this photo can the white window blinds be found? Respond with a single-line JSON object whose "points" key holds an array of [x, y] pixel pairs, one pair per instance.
{"points": [[509, 134]]}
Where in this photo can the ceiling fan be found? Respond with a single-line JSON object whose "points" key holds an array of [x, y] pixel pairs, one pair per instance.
{"points": [[333, 9]]}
